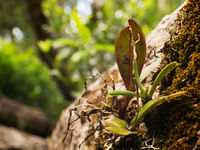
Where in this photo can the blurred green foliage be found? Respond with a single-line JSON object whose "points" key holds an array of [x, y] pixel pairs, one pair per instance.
{"points": [[83, 32], [24, 78], [85, 35], [107, 16], [13, 14]]}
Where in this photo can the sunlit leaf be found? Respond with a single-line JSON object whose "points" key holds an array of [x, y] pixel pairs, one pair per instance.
{"points": [[55, 72], [107, 9], [114, 122], [84, 31], [79, 55], [120, 131], [61, 42], [45, 46], [147, 70], [102, 47], [63, 54]]}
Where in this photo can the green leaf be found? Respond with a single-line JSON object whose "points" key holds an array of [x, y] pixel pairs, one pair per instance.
{"points": [[45, 46], [120, 131], [149, 106], [147, 70], [118, 93], [123, 93], [80, 55], [102, 47], [114, 122], [63, 54], [161, 75], [84, 31], [55, 72], [61, 42]]}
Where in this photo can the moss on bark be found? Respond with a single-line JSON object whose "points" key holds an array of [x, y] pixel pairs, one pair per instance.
{"points": [[177, 123]]}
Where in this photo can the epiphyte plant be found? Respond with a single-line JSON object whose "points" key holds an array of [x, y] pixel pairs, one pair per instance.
{"points": [[131, 42], [130, 45]]}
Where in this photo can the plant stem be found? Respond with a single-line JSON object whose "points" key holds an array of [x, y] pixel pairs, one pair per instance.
{"points": [[137, 78]]}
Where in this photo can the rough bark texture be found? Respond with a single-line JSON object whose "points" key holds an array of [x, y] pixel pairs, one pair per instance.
{"points": [[12, 139], [170, 126], [155, 42], [24, 118]]}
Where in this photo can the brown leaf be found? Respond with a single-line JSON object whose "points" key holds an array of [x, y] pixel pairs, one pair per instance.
{"points": [[124, 56], [140, 47], [124, 52]]}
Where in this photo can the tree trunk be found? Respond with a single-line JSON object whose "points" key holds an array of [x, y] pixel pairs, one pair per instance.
{"points": [[38, 22], [12, 139], [24, 118], [173, 125]]}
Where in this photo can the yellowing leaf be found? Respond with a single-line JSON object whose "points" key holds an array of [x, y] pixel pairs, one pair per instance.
{"points": [[114, 122], [120, 131], [102, 47], [45, 46]]}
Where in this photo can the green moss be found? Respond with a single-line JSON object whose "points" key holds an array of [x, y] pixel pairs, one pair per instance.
{"points": [[178, 122], [175, 125]]}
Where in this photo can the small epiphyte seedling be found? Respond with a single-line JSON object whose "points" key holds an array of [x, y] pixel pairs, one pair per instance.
{"points": [[131, 39]]}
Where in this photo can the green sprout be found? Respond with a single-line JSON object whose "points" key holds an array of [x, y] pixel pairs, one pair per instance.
{"points": [[131, 39], [120, 126]]}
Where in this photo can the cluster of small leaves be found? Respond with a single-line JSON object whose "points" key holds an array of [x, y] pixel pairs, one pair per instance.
{"points": [[131, 39], [119, 126]]}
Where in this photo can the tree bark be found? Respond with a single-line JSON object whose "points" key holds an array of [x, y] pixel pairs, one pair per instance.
{"points": [[24, 118], [12, 139], [155, 42]]}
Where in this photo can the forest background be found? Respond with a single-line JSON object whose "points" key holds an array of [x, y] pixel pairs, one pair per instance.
{"points": [[49, 48]]}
